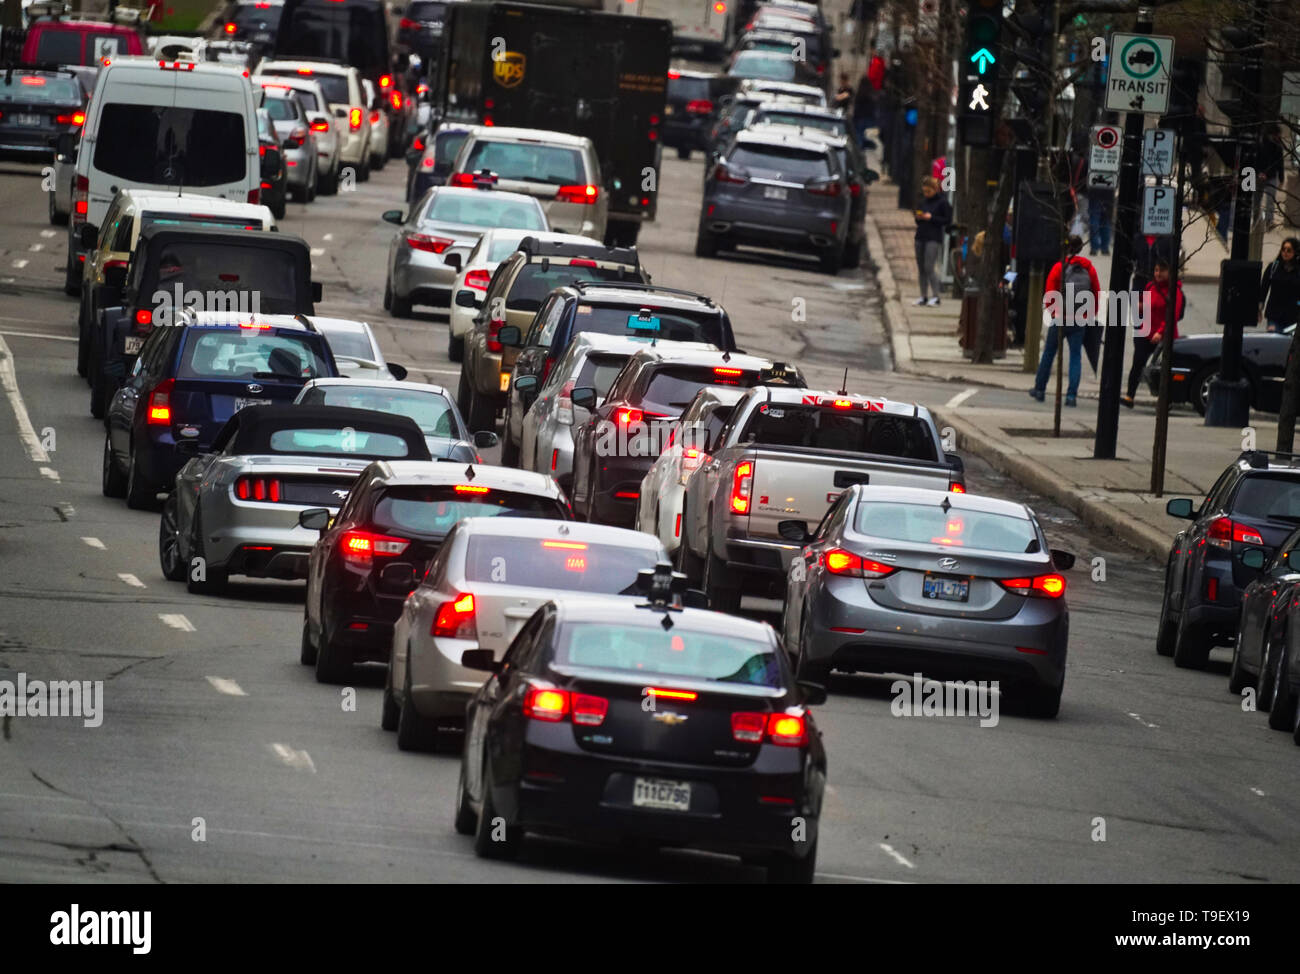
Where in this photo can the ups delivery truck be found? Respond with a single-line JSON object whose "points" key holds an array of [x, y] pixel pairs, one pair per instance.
{"points": [[566, 70]]}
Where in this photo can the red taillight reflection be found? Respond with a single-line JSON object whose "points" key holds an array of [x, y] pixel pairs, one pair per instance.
{"points": [[578, 194], [455, 619]]}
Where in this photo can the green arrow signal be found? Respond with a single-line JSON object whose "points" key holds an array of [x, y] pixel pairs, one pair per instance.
{"points": [[983, 58]]}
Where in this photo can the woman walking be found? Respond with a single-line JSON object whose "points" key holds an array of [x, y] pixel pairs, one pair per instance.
{"points": [[1279, 289], [932, 219], [1152, 332]]}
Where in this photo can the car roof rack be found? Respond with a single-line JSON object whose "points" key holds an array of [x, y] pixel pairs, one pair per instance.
{"points": [[638, 286], [1260, 459], [534, 247]]}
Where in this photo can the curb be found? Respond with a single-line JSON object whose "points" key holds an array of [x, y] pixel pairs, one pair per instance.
{"points": [[896, 328], [1032, 474]]}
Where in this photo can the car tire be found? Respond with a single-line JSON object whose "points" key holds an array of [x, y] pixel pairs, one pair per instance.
{"points": [[139, 495], [1281, 711], [786, 869], [832, 260], [462, 393], [306, 651], [1191, 647], [299, 194], [83, 351], [333, 664], [455, 346], [71, 277], [806, 669], [722, 595], [400, 307], [482, 414], [466, 820], [169, 542], [1040, 700], [1200, 386], [683, 152], [363, 171], [1166, 629], [388, 294], [328, 184], [484, 846], [389, 711], [415, 732], [214, 579], [112, 480], [706, 244], [57, 219], [1238, 678], [100, 394], [278, 210], [853, 255]]}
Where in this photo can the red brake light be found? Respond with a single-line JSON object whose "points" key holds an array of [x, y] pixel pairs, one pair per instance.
{"points": [[75, 118], [581, 262], [855, 190], [304, 71], [566, 545], [494, 329], [320, 126], [144, 317], [674, 75], [418, 144], [956, 487], [720, 7], [841, 562], [258, 489], [254, 196], [396, 98], [699, 106], [741, 485], [160, 413], [626, 417], [455, 619], [578, 194], [374, 117], [546, 367], [588, 709], [729, 372], [673, 694], [787, 730], [723, 174], [1051, 586], [231, 28], [385, 81], [748, 727], [830, 188], [361, 547], [34, 80], [478, 279], [407, 24], [544, 703], [471, 489], [423, 241], [354, 119], [1223, 531]]}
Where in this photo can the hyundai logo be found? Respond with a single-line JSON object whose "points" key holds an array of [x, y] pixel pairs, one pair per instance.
{"points": [[948, 563], [254, 388]]}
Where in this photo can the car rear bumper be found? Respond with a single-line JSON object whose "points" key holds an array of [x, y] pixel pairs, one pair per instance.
{"points": [[440, 686], [763, 227], [354, 148], [764, 558], [424, 277], [686, 133], [229, 526]]}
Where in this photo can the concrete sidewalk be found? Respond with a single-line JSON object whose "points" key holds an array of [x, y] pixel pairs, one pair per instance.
{"points": [[1015, 435]]}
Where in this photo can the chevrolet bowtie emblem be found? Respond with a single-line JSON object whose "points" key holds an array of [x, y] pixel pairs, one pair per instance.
{"points": [[671, 719]]}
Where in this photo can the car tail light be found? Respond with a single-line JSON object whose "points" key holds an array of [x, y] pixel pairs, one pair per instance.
{"points": [[266, 185], [407, 24], [361, 547], [374, 117], [455, 619], [354, 119], [956, 487], [741, 484], [395, 97], [1223, 531], [1050, 586], [855, 190], [699, 106], [588, 710], [320, 126], [826, 187], [627, 416], [295, 138], [160, 411], [841, 562], [725, 174], [254, 196], [674, 75], [231, 28], [462, 179], [144, 317], [304, 71], [494, 329], [424, 241], [785, 730], [749, 728], [546, 703], [259, 489], [478, 279], [75, 118], [691, 460], [578, 194], [472, 489], [385, 81], [564, 409], [176, 66], [418, 144], [80, 201]]}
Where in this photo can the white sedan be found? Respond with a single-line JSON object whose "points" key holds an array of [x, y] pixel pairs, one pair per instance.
{"points": [[356, 350]]}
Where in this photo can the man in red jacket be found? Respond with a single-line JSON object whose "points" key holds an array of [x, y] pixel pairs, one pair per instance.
{"points": [[1070, 299], [1151, 327]]}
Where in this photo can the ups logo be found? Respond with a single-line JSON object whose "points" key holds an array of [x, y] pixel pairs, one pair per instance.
{"points": [[508, 70]]}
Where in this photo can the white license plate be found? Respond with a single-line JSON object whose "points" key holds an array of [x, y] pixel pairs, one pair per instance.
{"points": [[262, 35], [658, 793], [241, 402], [24, 118], [133, 345], [774, 192]]}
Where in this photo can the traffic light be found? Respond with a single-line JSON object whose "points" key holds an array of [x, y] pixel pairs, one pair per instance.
{"points": [[1240, 61], [1034, 28], [1185, 78], [981, 54]]}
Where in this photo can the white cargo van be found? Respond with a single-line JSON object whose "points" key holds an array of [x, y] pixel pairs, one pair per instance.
{"points": [[163, 125]]}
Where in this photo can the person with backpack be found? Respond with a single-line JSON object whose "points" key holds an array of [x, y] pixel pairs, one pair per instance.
{"points": [[1279, 289], [1070, 299], [1151, 331]]}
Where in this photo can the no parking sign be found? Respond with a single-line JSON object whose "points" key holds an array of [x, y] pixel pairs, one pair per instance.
{"points": [[1105, 144]]}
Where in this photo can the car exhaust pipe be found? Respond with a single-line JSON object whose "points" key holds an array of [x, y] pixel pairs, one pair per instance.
{"points": [[822, 241], [719, 227]]}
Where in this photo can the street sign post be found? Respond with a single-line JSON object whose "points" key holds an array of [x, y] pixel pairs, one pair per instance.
{"points": [[1158, 211], [1139, 73], [1158, 153], [1105, 145]]}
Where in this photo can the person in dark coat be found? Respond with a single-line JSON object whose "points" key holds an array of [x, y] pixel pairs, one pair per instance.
{"points": [[1279, 289], [864, 108], [932, 218]]}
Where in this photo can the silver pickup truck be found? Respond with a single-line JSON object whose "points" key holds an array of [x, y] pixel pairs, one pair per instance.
{"points": [[784, 455]]}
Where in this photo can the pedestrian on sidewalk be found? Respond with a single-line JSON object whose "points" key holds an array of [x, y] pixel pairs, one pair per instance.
{"points": [[864, 108], [1279, 289], [843, 94], [1070, 300], [1101, 206], [1148, 249], [1272, 167], [932, 219], [1151, 331]]}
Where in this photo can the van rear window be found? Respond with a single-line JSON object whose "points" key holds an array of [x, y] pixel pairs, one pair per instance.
{"points": [[65, 47], [852, 431], [167, 146]]}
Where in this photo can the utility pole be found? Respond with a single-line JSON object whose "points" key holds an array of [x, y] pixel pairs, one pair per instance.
{"points": [[1167, 341], [1121, 267]]}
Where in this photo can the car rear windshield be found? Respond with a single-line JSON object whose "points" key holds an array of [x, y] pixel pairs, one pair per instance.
{"points": [[423, 10], [767, 65], [688, 89], [852, 431], [431, 411], [672, 389], [502, 247], [240, 353], [434, 510], [64, 46], [154, 219], [774, 161], [485, 210], [533, 283], [36, 89], [599, 372], [335, 86], [569, 566], [353, 33], [161, 145], [230, 276], [281, 109], [340, 442], [675, 653], [931, 524], [350, 344], [836, 125], [529, 161], [308, 100], [1275, 498], [676, 325]]}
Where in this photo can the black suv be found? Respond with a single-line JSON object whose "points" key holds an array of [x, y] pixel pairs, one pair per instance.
{"points": [[1254, 504], [691, 109], [608, 308]]}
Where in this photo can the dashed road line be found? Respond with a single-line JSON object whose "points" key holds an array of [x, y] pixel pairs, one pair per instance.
{"points": [[318, 251], [94, 543], [130, 580], [50, 473], [293, 757], [35, 334], [229, 687], [1138, 718], [897, 856], [328, 237], [1259, 793], [47, 234], [20, 263], [36, 248], [26, 432], [176, 621]]}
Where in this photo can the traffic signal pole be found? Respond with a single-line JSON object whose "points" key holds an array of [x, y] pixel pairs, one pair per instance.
{"points": [[1121, 268]]}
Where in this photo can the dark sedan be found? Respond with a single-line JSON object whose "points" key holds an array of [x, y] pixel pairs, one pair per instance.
{"points": [[36, 107], [1196, 363]]}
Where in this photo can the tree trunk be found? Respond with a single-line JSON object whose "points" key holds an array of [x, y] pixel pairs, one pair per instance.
{"points": [[1290, 397]]}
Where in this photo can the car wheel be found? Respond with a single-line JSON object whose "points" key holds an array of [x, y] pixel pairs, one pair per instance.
{"points": [[278, 209], [853, 255], [832, 260], [455, 346], [1039, 700], [490, 825], [333, 663], [706, 244], [466, 820], [363, 171], [399, 306], [390, 711], [100, 394], [414, 731], [1295, 727], [722, 593], [329, 183], [306, 651], [214, 579], [1191, 647], [139, 495], [688, 563], [112, 480], [1281, 712], [299, 194], [56, 218], [1238, 678], [1200, 392], [1167, 629], [388, 294], [169, 543], [462, 393], [787, 869], [482, 414], [683, 152], [806, 669]]}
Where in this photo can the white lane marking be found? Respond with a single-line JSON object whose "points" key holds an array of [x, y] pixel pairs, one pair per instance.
{"points": [[66, 509], [47, 234], [293, 757], [176, 621], [222, 685], [435, 371], [34, 334], [36, 248], [318, 251], [328, 237], [26, 433], [130, 579], [898, 858], [1259, 793], [1139, 719], [20, 263], [960, 398], [94, 543], [866, 879], [50, 473]]}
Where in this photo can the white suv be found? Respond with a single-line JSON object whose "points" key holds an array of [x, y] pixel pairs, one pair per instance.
{"points": [[347, 100]]}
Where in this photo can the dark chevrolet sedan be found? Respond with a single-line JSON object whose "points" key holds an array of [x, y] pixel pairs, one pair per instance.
{"points": [[35, 108], [1196, 363]]}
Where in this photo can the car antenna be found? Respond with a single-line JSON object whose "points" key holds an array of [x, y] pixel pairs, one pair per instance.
{"points": [[844, 389]]}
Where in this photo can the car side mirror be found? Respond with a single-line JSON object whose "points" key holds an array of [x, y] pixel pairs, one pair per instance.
{"points": [[526, 385], [314, 519], [510, 336], [1180, 507], [584, 397], [796, 531], [392, 216], [814, 694], [317, 292], [88, 236], [693, 598], [486, 439], [1063, 560], [1254, 558], [452, 261], [398, 372], [480, 659], [465, 299]]}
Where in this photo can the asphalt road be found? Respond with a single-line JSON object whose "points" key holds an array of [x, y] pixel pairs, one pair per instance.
{"points": [[221, 759]]}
